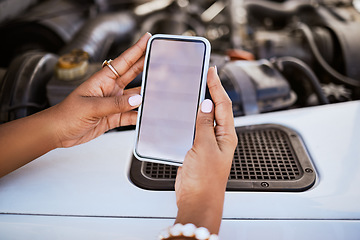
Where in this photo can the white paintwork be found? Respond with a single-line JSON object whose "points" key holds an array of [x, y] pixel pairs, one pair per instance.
{"points": [[47, 227], [92, 180]]}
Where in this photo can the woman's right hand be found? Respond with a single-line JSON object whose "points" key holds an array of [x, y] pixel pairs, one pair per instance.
{"points": [[201, 181]]}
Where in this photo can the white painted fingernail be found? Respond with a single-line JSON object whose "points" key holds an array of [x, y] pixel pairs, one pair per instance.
{"points": [[216, 70], [206, 106], [135, 100]]}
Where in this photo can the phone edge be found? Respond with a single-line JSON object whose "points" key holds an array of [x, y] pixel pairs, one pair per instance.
{"points": [[202, 89]]}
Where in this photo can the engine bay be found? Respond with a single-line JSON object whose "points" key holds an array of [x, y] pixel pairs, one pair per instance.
{"points": [[271, 55]]}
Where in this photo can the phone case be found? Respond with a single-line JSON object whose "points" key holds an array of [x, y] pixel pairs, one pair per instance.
{"points": [[202, 89]]}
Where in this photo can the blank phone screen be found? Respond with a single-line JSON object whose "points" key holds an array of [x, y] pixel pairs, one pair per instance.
{"points": [[171, 97]]}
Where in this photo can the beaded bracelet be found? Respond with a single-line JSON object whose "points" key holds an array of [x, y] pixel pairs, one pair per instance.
{"points": [[187, 231]]}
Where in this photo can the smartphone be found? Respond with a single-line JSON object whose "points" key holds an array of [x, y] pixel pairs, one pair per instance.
{"points": [[173, 86]]}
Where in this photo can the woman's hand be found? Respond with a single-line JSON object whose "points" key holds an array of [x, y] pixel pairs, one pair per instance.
{"points": [[101, 103], [97, 105], [201, 181]]}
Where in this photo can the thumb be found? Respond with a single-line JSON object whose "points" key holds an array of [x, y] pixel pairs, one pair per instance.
{"points": [[205, 124], [105, 106]]}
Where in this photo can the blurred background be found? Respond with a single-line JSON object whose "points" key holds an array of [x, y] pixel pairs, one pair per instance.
{"points": [[271, 55]]}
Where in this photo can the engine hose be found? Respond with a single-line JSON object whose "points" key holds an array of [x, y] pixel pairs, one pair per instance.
{"points": [[98, 34], [315, 51], [23, 89], [284, 62]]}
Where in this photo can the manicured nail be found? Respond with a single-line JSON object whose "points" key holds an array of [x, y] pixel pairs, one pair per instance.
{"points": [[135, 100], [216, 70], [149, 34], [206, 106]]}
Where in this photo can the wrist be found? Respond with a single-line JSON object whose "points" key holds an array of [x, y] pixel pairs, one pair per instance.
{"points": [[51, 124], [188, 231], [203, 210]]}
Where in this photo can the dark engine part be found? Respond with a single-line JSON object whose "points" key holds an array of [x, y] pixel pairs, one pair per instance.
{"points": [[10, 9], [255, 87], [96, 38], [334, 93], [23, 89], [98, 35], [323, 35], [208, 18], [175, 23], [350, 64], [43, 28], [301, 78], [274, 13]]}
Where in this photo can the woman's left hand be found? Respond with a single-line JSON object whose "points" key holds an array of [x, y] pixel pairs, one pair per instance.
{"points": [[101, 103]]}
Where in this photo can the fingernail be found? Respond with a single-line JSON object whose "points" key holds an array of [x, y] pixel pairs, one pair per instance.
{"points": [[216, 70], [135, 100], [149, 34], [206, 106]]}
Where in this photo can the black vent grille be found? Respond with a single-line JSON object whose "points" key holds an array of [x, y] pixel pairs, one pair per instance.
{"points": [[159, 171], [268, 158], [264, 154]]}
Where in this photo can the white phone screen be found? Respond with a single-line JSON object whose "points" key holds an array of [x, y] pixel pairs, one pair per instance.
{"points": [[170, 98]]}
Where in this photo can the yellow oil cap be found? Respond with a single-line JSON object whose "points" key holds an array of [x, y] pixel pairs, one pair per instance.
{"points": [[72, 65]]}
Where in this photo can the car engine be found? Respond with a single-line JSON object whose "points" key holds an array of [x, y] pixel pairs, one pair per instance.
{"points": [[271, 55]]}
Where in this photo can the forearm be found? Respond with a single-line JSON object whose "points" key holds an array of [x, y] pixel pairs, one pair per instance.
{"points": [[23, 140]]}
